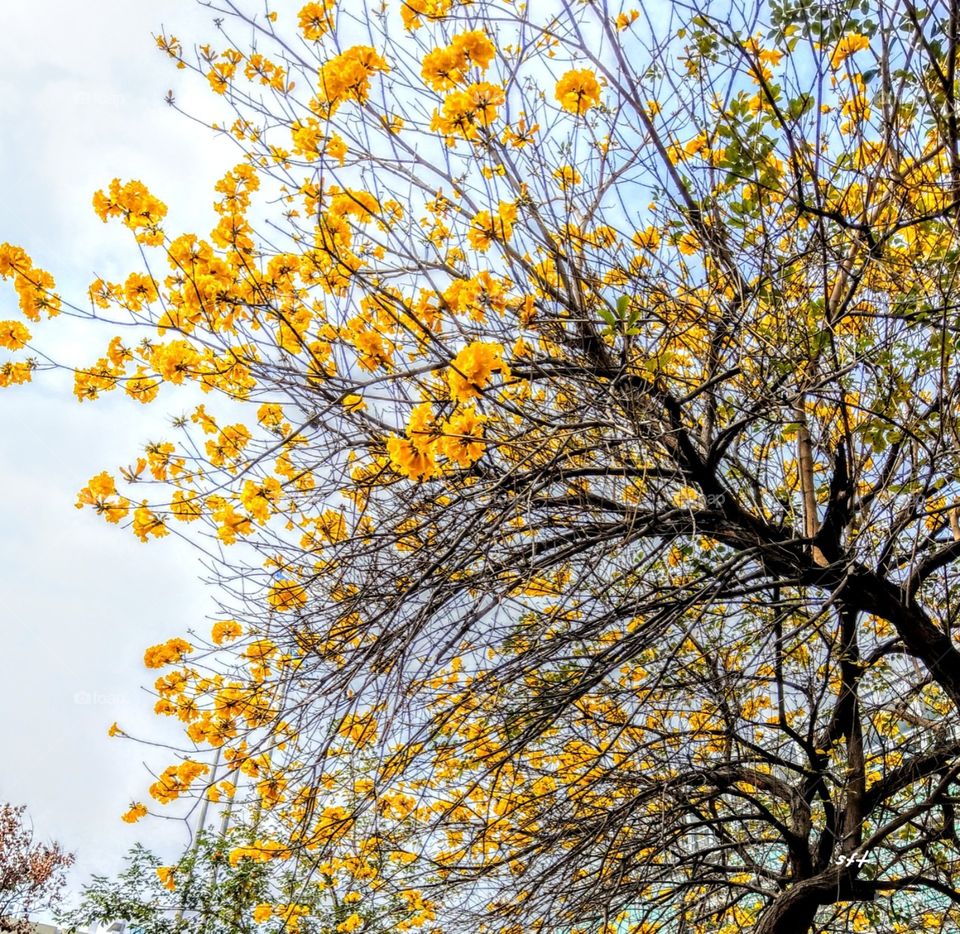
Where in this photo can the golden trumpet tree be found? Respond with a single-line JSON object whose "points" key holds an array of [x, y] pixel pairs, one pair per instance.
{"points": [[579, 455]]}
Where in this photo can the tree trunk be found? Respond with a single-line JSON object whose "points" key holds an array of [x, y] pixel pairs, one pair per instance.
{"points": [[793, 911]]}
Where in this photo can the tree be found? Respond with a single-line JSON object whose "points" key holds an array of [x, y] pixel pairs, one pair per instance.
{"points": [[207, 892], [587, 458], [32, 874]]}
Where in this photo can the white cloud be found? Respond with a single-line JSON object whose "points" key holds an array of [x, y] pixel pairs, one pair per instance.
{"points": [[81, 101]]}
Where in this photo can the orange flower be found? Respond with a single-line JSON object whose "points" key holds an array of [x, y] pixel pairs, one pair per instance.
{"points": [[137, 810], [167, 653], [13, 335], [445, 68], [347, 77], [315, 20], [485, 228], [472, 368], [578, 90], [462, 441], [567, 176], [465, 112], [847, 46], [287, 595], [226, 630], [410, 461]]}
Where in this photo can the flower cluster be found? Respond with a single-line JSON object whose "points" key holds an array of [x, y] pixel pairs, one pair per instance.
{"points": [[141, 211], [347, 77], [578, 90], [465, 113], [444, 68]]}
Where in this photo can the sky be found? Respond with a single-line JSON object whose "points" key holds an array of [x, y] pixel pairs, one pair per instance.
{"points": [[82, 90]]}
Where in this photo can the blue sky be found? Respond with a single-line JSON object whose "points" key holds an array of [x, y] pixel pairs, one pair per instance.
{"points": [[81, 101]]}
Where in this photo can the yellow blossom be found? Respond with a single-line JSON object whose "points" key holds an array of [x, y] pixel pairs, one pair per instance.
{"points": [[315, 20], [848, 45], [567, 176], [13, 335], [578, 90], [472, 368], [137, 810]]}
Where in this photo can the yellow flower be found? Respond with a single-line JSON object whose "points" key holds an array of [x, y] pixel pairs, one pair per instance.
{"points": [[186, 506], [465, 112], [485, 228], [413, 12], [142, 387], [147, 523], [353, 923], [410, 461], [422, 428], [315, 20], [287, 595], [13, 335], [471, 369], [770, 56], [462, 441], [476, 46], [336, 148], [139, 290], [442, 69], [347, 77], [578, 90], [166, 874], [137, 810], [167, 653], [263, 911], [260, 499], [567, 176], [851, 43], [259, 651], [230, 523], [100, 486], [360, 728], [13, 259], [133, 203], [306, 138], [647, 239], [226, 630], [522, 136], [292, 916]]}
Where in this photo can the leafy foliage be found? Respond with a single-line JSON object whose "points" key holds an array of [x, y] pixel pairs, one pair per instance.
{"points": [[208, 892], [32, 875]]}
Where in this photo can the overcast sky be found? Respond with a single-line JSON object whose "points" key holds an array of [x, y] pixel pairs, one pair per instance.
{"points": [[81, 101]]}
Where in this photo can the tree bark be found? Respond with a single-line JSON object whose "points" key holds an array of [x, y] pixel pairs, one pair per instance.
{"points": [[794, 910]]}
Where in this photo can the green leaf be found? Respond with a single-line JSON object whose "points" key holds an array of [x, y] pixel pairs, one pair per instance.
{"points": [[607, 316]]}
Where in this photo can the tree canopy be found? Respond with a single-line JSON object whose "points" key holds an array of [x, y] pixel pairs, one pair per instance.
{"points": [[209, 892], [578, 456], [32, 874]]}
